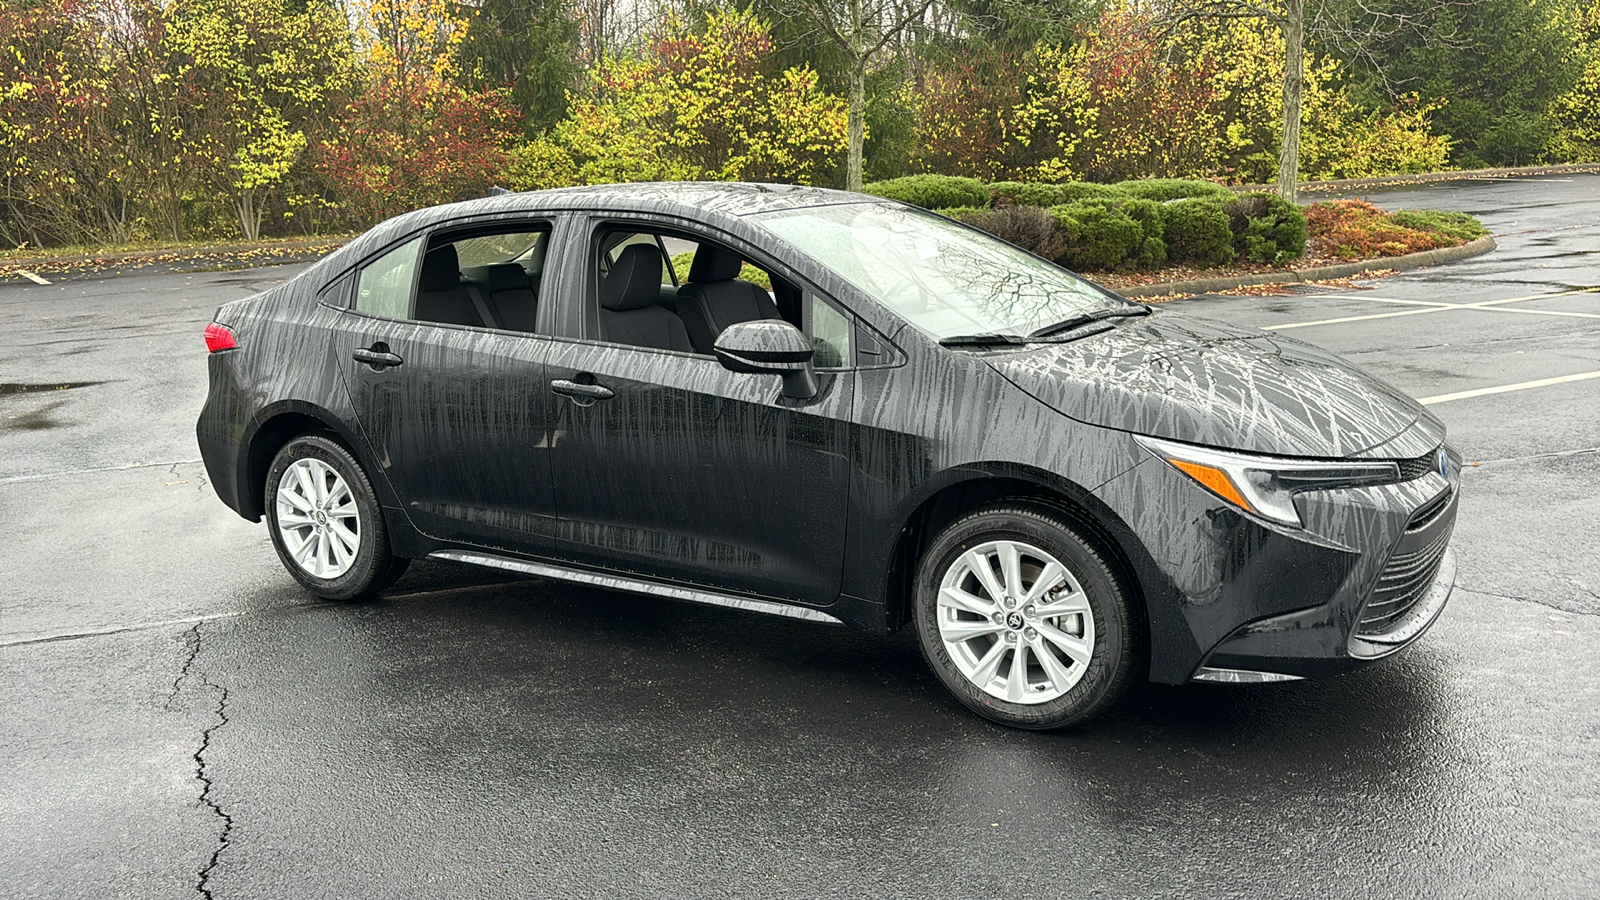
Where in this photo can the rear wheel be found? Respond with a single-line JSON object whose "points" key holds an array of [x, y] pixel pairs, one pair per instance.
{"points": [[325, 522], [1025, 620]]}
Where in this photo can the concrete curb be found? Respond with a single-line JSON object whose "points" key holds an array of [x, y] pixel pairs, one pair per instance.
{"points": [[113, 257], [1320, 273], [1431, 177]]}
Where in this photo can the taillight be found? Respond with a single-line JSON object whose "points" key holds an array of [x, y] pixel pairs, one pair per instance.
{"points": [[218, 337]]}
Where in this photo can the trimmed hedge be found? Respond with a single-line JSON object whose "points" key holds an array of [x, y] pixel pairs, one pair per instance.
{"points": [[1164, 189], [1016, 193], [1266, 228], [932, 191], [961, 213], [1197, 232], [1098, 238], [1146, 224], [1074, 191], [1460, 226]]}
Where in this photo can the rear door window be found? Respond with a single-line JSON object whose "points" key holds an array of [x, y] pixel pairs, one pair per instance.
{"points": [[385, 285]]}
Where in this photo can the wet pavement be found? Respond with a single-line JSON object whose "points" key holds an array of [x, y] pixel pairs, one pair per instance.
{"points": [[178, 718]]}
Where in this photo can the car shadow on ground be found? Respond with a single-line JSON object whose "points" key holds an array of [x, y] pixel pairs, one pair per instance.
{"points": [[643, 688]]}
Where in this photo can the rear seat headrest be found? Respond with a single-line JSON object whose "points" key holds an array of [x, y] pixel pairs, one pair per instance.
{"points": [[508, 277]]}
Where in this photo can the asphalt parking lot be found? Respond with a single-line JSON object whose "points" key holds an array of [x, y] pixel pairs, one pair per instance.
{"points": [[179, 719]]}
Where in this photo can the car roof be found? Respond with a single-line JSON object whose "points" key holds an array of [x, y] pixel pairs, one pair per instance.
{"points": [[730, 198], [687, 199]]}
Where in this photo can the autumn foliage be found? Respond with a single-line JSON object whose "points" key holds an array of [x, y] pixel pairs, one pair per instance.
{"points": [[1356, 229]]}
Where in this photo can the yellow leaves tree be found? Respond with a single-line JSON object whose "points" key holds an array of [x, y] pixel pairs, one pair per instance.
{"points": [[262, 74], [697, 104], [1576, 114]]}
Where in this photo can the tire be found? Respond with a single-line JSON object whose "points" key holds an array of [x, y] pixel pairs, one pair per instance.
{"points": [[325, 522], [1084, 618]]}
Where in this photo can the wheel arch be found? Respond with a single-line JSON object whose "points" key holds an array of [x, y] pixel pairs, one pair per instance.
{"points": [[981, 487], [279, 424]]}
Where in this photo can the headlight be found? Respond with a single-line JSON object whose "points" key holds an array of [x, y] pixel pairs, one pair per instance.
{"points": [[1265, 485]]}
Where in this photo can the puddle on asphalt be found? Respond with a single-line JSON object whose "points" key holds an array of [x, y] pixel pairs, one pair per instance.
{"points": [[36, 420], [7, 388]]}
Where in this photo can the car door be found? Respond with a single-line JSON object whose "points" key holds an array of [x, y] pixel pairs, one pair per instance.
{"points": [[455, 415], [680, 469]]}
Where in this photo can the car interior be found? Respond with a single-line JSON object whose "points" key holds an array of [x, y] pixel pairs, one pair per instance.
{"points": [[488, 280], [643, 302], [665, 291]]}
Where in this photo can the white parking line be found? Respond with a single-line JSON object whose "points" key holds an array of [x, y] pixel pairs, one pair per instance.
{"points": [[1434, 307], [1507, 388], [31, 276], [1342, 319]]}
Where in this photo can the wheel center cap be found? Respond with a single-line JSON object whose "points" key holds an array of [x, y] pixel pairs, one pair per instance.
{"points": [[1014, 620], [320, 517]]}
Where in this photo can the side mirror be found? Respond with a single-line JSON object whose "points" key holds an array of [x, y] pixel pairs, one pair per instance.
{"points": [[770, 346]]}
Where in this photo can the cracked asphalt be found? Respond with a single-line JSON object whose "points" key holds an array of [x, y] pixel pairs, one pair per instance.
{"points": [[178, 719]]}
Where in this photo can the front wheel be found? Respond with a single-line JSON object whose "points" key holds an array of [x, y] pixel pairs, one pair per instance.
{"points": [[325, 522], [1024, 620]]}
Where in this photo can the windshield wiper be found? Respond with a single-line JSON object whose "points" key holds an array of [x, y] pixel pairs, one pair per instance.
{"points": [[982, 340], [1078, 321]]}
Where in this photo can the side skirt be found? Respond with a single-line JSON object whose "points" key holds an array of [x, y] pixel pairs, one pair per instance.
{"points": [[614, 582]]}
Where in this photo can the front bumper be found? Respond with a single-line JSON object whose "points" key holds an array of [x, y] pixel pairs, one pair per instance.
{"points": [[1235, 599]]}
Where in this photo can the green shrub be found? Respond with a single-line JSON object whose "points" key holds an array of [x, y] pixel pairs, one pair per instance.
{"points": [[961, 213], [1266, 228], [932, 191], [1098, 238], [1074, 191], [1150, 215], [1197, 232], [1165, 189], [1029, 227], [1152, 253], [1016, 193], [1460, 226]]}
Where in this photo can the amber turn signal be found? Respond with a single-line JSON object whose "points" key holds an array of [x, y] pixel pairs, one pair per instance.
{"points": [[1214, 480]]}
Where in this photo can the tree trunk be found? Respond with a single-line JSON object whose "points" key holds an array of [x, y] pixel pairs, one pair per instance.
{"points": [[1293, 86], [857, 126], [249, 220]]}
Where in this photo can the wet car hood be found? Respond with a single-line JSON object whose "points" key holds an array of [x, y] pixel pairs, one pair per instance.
{"points": [[1203, 382]]}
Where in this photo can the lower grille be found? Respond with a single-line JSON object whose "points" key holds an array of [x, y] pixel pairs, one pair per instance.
{"points": [[1411, 569]]}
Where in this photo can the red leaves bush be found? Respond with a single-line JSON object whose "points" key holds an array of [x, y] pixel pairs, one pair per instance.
{"points": [[408, 145], [1355, 229]]}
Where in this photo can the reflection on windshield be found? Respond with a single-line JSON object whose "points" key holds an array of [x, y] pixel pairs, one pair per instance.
{"points": [[941, 277]]}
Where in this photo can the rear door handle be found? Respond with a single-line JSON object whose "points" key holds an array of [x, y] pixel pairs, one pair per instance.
{"points": [[584, 394], [378, 357]]}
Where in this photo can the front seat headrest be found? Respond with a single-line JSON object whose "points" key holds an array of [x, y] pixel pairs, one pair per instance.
{"points": [[440, 270], [713, 263], [634, 281]]}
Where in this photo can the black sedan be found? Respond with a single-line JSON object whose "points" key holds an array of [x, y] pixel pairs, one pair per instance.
{"points": [[841, 409]]}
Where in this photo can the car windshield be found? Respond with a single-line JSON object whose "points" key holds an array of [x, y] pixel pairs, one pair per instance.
{"points": [[945, 279]]}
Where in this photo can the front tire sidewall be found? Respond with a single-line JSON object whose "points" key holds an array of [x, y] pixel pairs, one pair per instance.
{"points": [[373, 559], [1110, 662]]}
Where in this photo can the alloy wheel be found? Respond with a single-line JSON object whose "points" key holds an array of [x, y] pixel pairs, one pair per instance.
{"points": [[1015, 622], [317, 518]]}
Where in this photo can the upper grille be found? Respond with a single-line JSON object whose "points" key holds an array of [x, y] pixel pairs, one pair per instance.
{"points": [[1416, 468], [1409, 574]]}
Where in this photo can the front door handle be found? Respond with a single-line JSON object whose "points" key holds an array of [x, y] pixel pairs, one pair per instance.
{"points": [[378, 357], [582, 394]]}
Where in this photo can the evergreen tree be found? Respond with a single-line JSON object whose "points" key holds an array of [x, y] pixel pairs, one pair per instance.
{"points": [[1497, 64], [530, 46]]}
